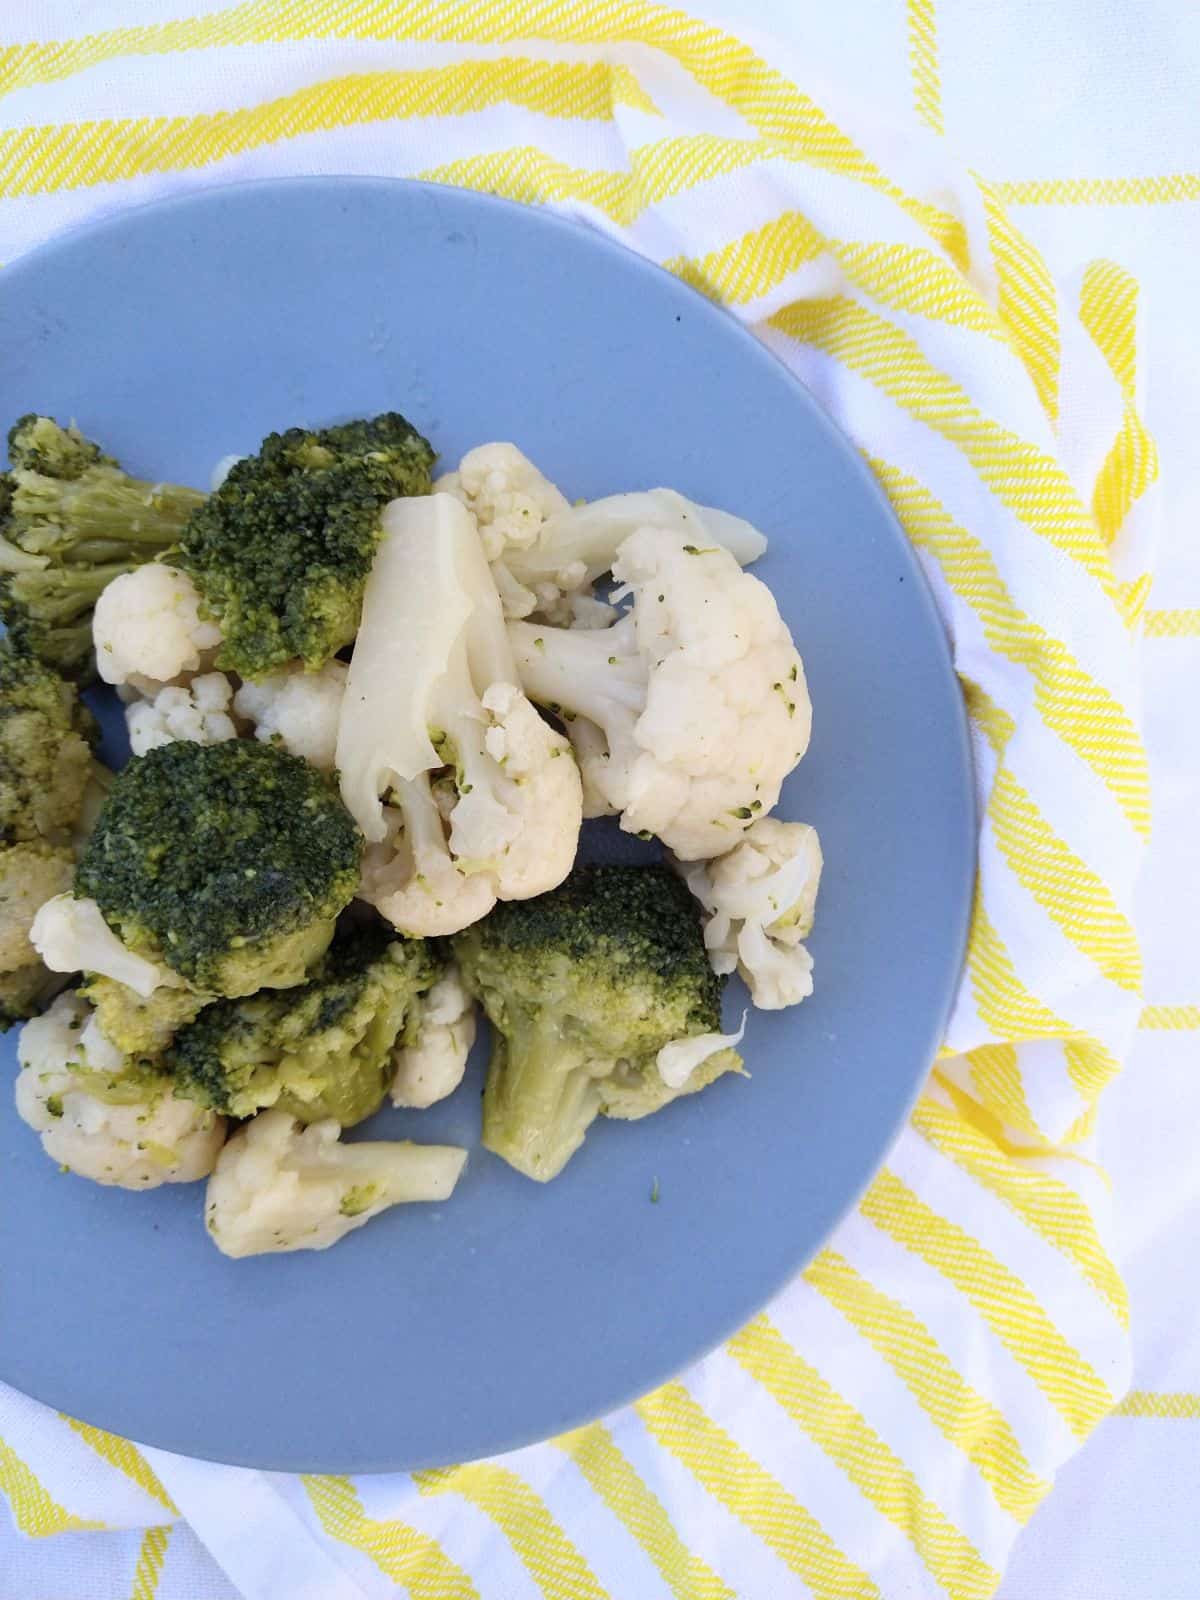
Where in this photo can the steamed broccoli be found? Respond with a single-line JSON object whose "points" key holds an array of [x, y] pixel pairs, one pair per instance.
{"points": [[45, 755], [320, 1051], [584, 987], [70, 521], [140, 1025], [46, 770], [281, 551], [227, 863]]}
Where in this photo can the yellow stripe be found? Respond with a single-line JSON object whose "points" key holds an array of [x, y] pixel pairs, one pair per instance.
{"points": [[1170, 189], [403, 1554], [751, 1494], [1179, 624], [1175, 1407], [1032, 1147], [996, 1074], [1065, 1377], [1009, 1009], [1028, 299], [1134, 593], [125, 1457], [642, 1513], [1075, 898], [1174, 1018], [1031, 483], [923, 63], [1108, 310], [150, 1563], [726, 67], [1072, 704], [76, 155], [548, 1555], [910, 279], [876, 1471], [1043, 1202], [969, 1421], [34, 1509], [749, 266]]}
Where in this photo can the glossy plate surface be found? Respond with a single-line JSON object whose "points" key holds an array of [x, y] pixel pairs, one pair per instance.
{"points": [[185, 331]]}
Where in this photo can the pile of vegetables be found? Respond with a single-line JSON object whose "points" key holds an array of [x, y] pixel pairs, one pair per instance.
{"points": [[368, 714]]}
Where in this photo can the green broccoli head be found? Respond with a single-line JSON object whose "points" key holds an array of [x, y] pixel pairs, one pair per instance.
{"points": [[70, 521], [228, 863], [281, 552], [322, 1050], [26, 992], [45, 755], [583, 987]]}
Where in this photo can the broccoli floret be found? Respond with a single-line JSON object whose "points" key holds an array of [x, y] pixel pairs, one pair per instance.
{"points": [[228, 863], [70, 521], [30, 874], [140, 1026], [584, 986], [322, 1050], [45, 759], [281, 552]]}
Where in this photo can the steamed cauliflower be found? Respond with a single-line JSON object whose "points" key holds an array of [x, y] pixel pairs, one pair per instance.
{"points": [[465, 795], [552, 577], [760, 901], [71, 935], [148, 630], [102, 1116], [199, 712], [297, 709], [430, 1066], [689, 711], [280, 1186], [507, 495]]}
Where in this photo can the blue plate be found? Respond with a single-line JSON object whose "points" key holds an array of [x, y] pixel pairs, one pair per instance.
{"points": [[182, 332]]}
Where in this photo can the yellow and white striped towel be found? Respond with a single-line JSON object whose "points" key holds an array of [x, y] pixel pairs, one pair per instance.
{"points": [[892, 1421]]}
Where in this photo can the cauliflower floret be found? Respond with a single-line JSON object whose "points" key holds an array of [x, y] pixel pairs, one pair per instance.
{"points": [[103, 1117], [199, 712], [147, 628], [297, 709], [698, 693], [509, 498], [577, 544], [677, 1061], [760, 900], [503, 821], [71, 935], [280, 1186], [431, 1066]]}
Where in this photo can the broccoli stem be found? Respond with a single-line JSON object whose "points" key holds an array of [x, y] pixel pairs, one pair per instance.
{"points": [[123, 514], [540, 1100]]}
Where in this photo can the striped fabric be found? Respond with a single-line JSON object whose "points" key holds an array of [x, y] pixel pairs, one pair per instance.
{"points": [[890, 1424]]}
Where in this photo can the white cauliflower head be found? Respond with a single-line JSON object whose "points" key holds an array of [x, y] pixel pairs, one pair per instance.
{"points": [[507, 495], [199, 711], [33, 874], [430, 1065], [552, 576], [483, 797], [102, 1116], [298, 710], [71, 935], [760, 901], [697, 695], [147, 628], [280, 1186]]}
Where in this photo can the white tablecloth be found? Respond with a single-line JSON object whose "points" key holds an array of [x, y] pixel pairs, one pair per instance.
{"points": [[1032, 94]]}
